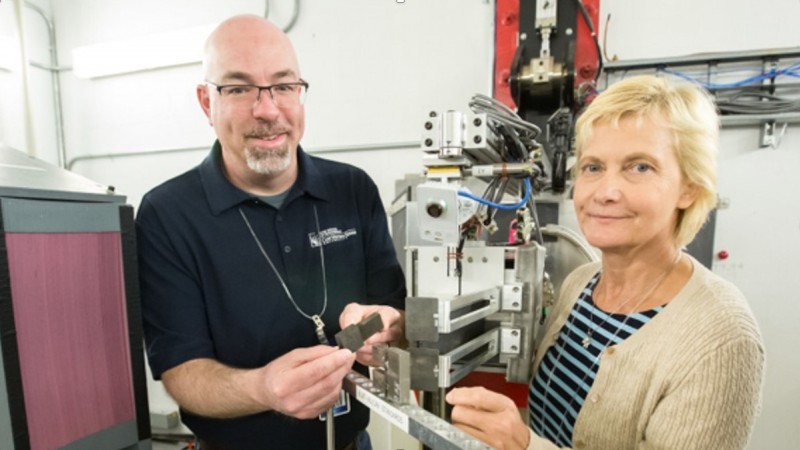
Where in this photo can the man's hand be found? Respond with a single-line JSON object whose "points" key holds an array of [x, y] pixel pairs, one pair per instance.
{"points": [[302, 384], [393, 332], [306, 381], [491, 417]]}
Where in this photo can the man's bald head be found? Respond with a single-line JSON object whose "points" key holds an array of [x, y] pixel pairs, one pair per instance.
{"points": [[245, 36]]}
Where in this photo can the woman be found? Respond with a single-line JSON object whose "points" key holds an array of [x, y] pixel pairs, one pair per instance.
{"points": [[648, 349]]}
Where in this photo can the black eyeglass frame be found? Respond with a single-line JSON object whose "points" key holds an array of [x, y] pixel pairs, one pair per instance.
{"points": [[220, 87]]}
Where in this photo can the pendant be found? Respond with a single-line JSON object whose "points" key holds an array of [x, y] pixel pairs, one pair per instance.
{"points": [[320, 325], [587, 340]]}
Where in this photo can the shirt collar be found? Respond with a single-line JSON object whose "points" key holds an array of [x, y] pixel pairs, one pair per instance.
{"points": [[222, 194]]}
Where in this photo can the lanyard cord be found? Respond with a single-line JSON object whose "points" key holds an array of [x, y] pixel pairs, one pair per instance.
{"points": [[315, 318], [320, 325]]}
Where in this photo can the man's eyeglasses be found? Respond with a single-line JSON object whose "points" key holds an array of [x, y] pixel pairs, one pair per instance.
{"points": [[282, 94]]}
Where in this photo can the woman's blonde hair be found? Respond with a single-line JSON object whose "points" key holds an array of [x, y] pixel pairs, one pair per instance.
{"points": [[690, 116]]}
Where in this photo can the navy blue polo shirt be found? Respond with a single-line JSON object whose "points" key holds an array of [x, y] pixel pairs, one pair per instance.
{"points": [[208, 292]]}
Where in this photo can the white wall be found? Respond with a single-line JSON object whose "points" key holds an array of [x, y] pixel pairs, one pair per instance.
{"points": [[376, 67], [651, 28], [39, 138], [761, 227]]}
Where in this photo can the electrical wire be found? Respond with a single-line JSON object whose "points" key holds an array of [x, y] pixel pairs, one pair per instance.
{"points": [[748, 95], [498, 196], [489, 193], [516, 139], [501, 113], [753, 102], [605, 40], [792, 71], [535, 217], [590, 24], [517, 205]]}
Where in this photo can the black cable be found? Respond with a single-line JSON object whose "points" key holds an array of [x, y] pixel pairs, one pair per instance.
{"points": [[590, 24], [755, 102], [459, 249], [498, 197], [499, 112], [515, 149], [489, 193], [535, 216]]}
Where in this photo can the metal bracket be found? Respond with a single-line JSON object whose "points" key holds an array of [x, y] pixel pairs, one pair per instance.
{"points": [[510, 340], [452, 366], [429, 429], [512, 297], [768, 136]]}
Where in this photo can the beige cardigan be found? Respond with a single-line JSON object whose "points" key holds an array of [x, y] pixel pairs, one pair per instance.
{"points": [[688, 379]]}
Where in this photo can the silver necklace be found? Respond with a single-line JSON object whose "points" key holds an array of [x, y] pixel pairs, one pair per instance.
{"points": [[316, 318], [643, 295], [596, 360]]}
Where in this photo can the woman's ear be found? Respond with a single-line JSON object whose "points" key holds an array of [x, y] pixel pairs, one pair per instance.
{"points": [[689, 193]]}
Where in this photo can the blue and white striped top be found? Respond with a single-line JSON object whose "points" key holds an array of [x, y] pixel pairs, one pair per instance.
{"points": [[567, 371]]}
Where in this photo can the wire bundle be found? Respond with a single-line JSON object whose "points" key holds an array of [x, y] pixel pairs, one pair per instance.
{"points": [[791, 71], [756, 102], [750, 95], [502, 114], [518, 139]]}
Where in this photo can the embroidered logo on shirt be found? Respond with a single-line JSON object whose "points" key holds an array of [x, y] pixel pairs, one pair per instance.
{"points": [[329, 236]]}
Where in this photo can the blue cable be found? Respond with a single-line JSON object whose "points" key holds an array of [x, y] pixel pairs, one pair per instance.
{"points": [[499, 205], [790, 71]]}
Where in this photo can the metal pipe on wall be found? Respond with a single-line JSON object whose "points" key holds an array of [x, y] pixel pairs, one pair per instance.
{"points": [[55, 82], [322, 150], [30, 139], [292, 20]]}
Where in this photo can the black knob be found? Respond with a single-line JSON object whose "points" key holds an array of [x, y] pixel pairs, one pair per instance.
{"points": [[435, 209]]}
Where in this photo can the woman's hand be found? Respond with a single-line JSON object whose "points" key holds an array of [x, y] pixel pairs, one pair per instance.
{"points": [[491, 417]]}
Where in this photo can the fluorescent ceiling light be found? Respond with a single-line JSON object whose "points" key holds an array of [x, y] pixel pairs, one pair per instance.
{"points": [[154, 51], [9, 54]]}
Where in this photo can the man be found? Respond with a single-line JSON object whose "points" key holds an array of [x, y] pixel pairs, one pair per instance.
{"points": [[248, 258]]}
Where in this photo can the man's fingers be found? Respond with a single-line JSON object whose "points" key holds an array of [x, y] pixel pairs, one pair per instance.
{"points": [[322, 394], [352, 313], [300, 356], [336, 361], [365, 356], [389, 316], [381, 337], [305, 389]]}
